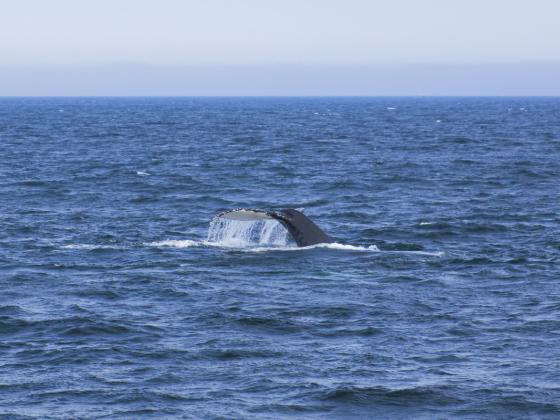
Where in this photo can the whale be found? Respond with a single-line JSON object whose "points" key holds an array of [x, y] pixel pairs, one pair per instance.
{"points": [[304, 231]]}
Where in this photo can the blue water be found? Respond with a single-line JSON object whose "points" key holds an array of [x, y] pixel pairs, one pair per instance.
{"points": [[444, 303]]}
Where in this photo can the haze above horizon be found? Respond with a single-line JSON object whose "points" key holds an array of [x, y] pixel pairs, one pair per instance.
{"points": [[251, 47]]}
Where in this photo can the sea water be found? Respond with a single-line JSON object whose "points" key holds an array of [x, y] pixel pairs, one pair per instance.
{"points": [[120, 299]]}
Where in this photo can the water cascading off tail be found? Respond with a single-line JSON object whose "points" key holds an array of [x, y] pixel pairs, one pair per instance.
{"points": [[262, 232]]}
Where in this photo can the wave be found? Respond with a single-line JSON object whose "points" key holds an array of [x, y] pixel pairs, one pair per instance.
{"points": [[89, 247], [380, 394], [240, 245], [248, 247], [174, 243], [243, 245], [345, 247], [334, 246]]}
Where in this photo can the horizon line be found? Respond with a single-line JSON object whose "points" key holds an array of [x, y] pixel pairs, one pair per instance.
{"points": [[277, 96]]}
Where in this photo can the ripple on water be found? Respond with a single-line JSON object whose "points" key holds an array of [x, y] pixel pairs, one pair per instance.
{"points": [[439, 299]]}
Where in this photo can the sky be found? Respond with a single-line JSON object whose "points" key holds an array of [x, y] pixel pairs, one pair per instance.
{"points": [[279, 47]]}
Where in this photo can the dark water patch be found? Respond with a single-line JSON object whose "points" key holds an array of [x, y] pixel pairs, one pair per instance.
{"points": [[11, 310], [339, 312], [269, 324], [484, 228], [96, 329], [291, 410], [518, 404], [71, 326], [9, 325], [402, 278], [384, 246], [234, 354], [345, 332], [460, 140], [155, 354], [440, 395], [472, 261], [465, 162], [97, 294]]}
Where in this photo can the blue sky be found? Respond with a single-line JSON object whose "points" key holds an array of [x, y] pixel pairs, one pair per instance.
{"points": [[288, 47]]}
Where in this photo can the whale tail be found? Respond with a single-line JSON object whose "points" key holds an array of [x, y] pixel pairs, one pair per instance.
{"points": [[300, 227]]}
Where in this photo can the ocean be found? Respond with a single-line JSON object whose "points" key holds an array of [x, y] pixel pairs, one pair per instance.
{"points": [[439, 299]]}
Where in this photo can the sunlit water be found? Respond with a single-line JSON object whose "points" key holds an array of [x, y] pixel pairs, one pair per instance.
{"points": [[122, 297]]}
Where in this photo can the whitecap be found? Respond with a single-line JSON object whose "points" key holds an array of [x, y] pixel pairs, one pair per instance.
{"points": [[240, 245], [343, 247], [89, 247], [334, 245], [174, 243], [142, 173], [347, 247], [189, 243], [426, 253]]}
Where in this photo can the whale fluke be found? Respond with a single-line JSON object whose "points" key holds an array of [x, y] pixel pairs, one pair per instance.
{"points": [[302, 229]]}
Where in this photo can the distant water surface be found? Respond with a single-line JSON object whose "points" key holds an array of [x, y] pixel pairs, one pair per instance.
{"points": [[445, 301]]}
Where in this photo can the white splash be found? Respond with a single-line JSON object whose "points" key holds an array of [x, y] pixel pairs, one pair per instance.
{"points": [[262, 235], [173, 243], [243, 233], [89, 247], [334, 245], [238, 243], [347, 247], [142, 173]]}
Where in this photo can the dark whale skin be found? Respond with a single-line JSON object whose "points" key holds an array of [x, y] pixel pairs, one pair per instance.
{"points": [[302, 229]]}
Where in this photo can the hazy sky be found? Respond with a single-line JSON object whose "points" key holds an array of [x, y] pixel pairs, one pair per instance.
{"points": [[331, 47]]}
